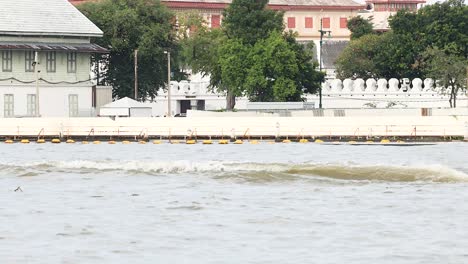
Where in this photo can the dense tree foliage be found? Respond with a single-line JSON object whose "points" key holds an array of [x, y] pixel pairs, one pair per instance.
{"points": [[423, 44], [251, 55], [249, 20], [450, 69], [359, 27], [128, 25]]}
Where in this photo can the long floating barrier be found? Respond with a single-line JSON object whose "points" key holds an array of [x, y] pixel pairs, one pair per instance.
{"points": [[383, 142]]}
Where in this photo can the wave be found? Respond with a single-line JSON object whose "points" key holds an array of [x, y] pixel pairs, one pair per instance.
{"points": [[249, 171]]}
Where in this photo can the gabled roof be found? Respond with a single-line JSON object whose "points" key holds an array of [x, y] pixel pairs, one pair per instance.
{"points": [[44, 18], [125, 103]]}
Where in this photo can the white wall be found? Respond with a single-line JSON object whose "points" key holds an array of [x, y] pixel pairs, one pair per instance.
{"points": [[53, 100], [337, 94], [293, 127]]}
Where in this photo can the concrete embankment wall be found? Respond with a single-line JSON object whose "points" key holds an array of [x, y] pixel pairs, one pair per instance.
{"points": [[359, 126]]}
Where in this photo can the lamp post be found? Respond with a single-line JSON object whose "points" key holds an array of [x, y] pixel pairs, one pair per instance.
{"points": [[36, 72], [136, 74], [322, 32], [168, 82]]}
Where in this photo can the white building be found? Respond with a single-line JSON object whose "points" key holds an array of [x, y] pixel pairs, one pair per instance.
{"points": [[45, 54]]}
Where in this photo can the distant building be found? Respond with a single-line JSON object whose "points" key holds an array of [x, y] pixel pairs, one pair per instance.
{"points": [[305, 17], [301, 16], [45, 55], [381, 10]]}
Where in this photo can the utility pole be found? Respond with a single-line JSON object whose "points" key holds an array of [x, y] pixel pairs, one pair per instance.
{"points": [[322, 32], [36, 71], [168, 83], [136, 74]]}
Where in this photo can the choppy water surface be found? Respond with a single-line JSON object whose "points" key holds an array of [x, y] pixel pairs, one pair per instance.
{"points": [[281, 203]]}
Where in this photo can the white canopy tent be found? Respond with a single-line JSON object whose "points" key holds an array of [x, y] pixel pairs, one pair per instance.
{"points": [[126, 107]]}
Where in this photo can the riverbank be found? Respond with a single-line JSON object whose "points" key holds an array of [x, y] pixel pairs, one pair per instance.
{"points": [[413, 128]]}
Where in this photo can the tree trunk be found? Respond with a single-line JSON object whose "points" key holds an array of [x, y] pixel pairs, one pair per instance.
{"points": [[455, 99], [450, 98], [230, 101], [453, 95]]}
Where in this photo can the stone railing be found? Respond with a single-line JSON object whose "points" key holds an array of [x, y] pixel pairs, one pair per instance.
{"points": [[416, 86]]}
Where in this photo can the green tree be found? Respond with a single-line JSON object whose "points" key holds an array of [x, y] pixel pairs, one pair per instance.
{"points": [[128, 25], [449, 70], [399, 52], [252, 55], [250, 20], [272, 70], [359, 27], [397, 56], [357, 59], [442, 25]]}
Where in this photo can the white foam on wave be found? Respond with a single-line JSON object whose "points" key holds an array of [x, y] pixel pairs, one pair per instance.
{"points": [[434, 173]]}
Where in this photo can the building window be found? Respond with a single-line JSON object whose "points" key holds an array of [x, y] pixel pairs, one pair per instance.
{"points": [[343, 22], [8, 105], [215, 21], [31, 105], [291, 22], [29, 61], [326, 22], [309, 22], [7, 60], [73, 105], [50, 61], [71, 62]]}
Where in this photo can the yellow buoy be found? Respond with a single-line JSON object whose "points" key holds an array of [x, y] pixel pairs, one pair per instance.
{"points": [[111, 142], [207, 142], [253, 142], [96, 142], [25, 141], [174, 141], [223, 141], [141, 142], [40, 141], [156, 141], [191, 141], [84, 142], [55, 140], [303, 140], [400, 141], [70, 141], [352, 142], [8, 141], [318, 141], [238, 141], [286, 141], [125, 142], [385, 141]]}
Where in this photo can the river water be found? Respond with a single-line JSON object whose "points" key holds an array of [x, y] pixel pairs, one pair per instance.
{"points": [[266, 203]]}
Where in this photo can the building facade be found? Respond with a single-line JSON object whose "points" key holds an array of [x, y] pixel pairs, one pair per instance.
{"points": [[45, 54], [381, 10], [304, 17]]}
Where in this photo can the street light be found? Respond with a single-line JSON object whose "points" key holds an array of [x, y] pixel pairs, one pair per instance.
{"points": [[322, 32], [36, 72], [168, 82]]}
